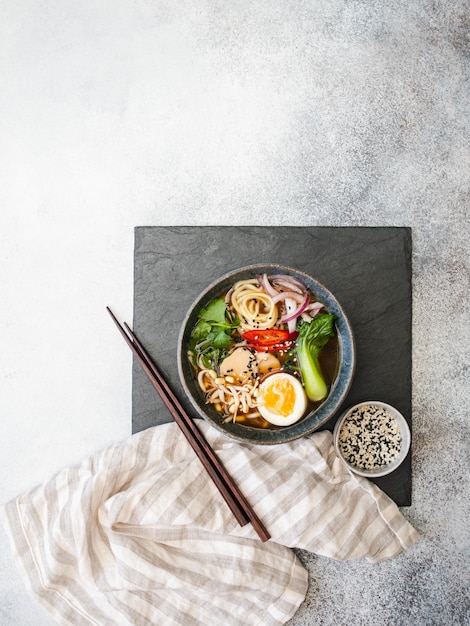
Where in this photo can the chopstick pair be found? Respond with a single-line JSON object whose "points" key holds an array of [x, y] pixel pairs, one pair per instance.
{"points": [[227, 487]]}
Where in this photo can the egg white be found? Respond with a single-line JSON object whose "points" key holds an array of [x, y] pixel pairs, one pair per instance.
{"points": [[300, 403]]}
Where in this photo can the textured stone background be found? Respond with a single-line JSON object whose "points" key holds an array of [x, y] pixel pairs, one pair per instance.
{"points": [[329, 112]]}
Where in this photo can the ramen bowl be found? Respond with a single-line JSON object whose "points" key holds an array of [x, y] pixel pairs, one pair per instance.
{"points": [[316, 415]]}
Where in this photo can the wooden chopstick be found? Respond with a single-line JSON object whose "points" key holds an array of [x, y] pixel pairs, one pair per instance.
{"points": [[203, 449], [229, 490], [178, 415]]}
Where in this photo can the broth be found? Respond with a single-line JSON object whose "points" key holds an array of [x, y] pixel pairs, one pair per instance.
{"points": [[328, 357]]}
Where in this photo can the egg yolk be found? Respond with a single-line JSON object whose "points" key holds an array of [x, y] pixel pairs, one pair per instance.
{"points": [[279, 397]]}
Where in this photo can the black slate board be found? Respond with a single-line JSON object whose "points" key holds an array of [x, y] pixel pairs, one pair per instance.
{"points": [[367, 269]]}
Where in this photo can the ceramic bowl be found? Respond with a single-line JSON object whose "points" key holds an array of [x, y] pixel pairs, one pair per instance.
{"points": [[310, 422], [365, 432]]}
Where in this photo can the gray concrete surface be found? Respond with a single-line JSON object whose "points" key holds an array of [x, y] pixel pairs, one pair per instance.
{"points": [[116, 113]]}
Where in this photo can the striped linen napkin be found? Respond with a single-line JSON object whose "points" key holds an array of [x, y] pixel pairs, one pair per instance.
{"points": [[138, 534]]}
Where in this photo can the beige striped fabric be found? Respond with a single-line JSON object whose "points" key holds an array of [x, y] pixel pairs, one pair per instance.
{"points": [[138, 534]]}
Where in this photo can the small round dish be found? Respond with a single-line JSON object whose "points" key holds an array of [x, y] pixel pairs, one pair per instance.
{"points": [[372, 438], [313, 420]]}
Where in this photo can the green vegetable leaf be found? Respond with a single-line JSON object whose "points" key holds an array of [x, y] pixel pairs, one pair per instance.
{"points": [[312, 337], [212, 334], [201, 330], [317, 332], [222, 340], [214, 311]]}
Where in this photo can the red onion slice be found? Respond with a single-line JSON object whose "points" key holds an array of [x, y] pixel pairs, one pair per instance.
{"points": [[293, 315], [291, 308], [289, 285], [292, 295], [290, 279], [314, 307], [266, 285]]}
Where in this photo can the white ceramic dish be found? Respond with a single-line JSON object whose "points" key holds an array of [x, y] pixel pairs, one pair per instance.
{"points": [[365, 440]]}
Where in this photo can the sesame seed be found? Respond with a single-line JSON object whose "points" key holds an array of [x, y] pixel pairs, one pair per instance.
{"points": [[369, 438]]}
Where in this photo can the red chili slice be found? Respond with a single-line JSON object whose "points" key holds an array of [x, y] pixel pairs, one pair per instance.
{"points": [[273, 347], [265, 340]]}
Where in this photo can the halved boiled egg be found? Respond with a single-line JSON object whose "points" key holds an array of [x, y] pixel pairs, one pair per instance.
{"points": [[281, 399]]}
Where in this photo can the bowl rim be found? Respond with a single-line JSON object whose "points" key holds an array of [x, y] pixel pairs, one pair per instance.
{"points": [[404, 430], [339, 389]]}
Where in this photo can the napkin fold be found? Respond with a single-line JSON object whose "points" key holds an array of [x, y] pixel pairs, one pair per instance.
{"points": [[138, 534]]}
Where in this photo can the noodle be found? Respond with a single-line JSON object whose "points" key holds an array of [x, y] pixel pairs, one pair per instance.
{"points": [[254, 307], [232, 400]]}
